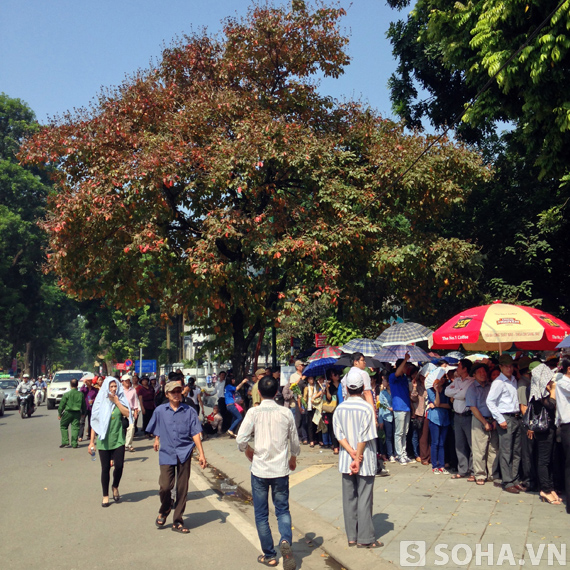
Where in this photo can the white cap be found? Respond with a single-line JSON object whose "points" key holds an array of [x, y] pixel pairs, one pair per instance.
{"points": [[26, 376], [354, 379]]}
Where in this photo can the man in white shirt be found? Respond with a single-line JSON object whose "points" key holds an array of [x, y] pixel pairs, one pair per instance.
{"points": [[563, 418], [355, 428], [462, 420], [275, 437], [503, 403]]}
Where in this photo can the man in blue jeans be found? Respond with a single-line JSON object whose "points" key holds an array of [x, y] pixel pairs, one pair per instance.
{"points": [[273, 457], [400, 390]]}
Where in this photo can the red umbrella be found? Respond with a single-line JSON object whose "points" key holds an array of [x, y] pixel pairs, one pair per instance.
{"points": [[498, 326]]}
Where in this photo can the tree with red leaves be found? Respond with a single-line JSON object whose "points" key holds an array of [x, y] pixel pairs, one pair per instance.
{"points": [[222, 184]]}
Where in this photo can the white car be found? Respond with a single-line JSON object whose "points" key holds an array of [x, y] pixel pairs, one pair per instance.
{"points": [[60, 385]]}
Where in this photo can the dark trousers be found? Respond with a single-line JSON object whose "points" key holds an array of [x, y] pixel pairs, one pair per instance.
{"points": [[146, 417], [169, 475], [301, 423], [510, 451], [462, 429], [68, 418], [85, 421], [118, 457], [544, 445], [564, 431], [529, 476], [389, 433], [425, 452]]}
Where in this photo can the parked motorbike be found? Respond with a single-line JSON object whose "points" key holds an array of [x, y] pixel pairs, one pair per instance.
{"points": [[26, 402]]}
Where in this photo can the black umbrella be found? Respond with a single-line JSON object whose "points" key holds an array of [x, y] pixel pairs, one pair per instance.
{"points": [[370, 362]]}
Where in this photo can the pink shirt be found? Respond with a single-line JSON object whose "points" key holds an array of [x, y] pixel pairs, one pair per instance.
{"points": [[133, 398]]}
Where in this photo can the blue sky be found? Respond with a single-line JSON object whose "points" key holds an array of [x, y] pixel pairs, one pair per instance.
{"points": [[57, 54]]}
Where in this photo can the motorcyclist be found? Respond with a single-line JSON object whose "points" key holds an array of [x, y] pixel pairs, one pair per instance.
{"points": [[27, 383], [41, 387]]}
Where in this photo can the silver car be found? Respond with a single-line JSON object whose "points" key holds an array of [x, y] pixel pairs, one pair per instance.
{"points": [[8, 386]]}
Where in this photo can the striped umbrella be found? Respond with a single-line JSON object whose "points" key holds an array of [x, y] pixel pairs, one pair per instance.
{"points": [[367, 346], [328, 352], [404, 333], [393, 353]]}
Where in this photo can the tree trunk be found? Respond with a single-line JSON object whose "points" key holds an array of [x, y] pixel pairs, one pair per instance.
{"points": [[241, 343], [28, 358]]}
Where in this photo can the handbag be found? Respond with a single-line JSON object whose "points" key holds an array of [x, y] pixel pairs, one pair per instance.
{"points": [[417, 423], [329, 407], [537, 423]]}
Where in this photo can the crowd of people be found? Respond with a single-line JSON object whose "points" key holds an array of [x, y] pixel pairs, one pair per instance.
{"points": [[499, 421]]}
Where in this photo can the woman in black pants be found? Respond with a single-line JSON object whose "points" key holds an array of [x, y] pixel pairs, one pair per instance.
{"points": [[106, 423], [541, 396]]}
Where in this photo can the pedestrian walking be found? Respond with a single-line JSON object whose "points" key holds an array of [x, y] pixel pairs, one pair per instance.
{"points": [[354, 424], [109, 409], [70, 410], [273, 457], [177, 429]]}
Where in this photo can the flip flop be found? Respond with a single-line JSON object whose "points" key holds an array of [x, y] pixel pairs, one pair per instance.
{"points": [[179, 527], [480, 481], [457, 476], [262, 559], [471, 478], [375, 544]]}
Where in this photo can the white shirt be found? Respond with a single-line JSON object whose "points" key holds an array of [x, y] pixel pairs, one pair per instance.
{"points": [[365, 379], [457, 390], [563, 400], [503, 398], [275, 435], [353, 420]]}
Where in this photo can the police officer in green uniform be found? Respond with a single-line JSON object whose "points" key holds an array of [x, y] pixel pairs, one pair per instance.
{"points": [[70, 408]]}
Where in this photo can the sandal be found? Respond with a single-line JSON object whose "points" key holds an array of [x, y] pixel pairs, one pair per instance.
{"points": [[311, 444], [179, 527], [457, 476], [305, 442], [351, 544], [287, 554], [375, 544], [262, 559], [335, 451], [161, 520], [471, 478], [480, 481]]}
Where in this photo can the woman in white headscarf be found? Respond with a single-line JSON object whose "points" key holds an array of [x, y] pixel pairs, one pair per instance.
{"points": [[110, 407], [542, 396]]}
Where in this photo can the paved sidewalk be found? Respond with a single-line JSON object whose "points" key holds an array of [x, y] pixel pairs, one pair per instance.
{"points": [[415, 505]]}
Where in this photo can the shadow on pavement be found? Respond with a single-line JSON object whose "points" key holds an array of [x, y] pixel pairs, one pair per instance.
{"points": [[139, 496], [195, 520], [381, 524], [304, 546]]}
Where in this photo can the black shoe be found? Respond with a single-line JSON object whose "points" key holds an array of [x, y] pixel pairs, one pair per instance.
{"points": [[105, 505], [64, 445]]}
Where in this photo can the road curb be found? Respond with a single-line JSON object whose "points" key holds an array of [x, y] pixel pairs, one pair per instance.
{"points": [[327, 537]]}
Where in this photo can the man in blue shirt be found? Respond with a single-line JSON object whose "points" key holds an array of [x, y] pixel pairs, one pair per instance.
{"points": [[400, 390], [177, 428]]}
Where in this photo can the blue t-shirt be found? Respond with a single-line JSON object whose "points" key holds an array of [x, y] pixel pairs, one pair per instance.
{"points": [[400, 389], [229, 394], [439, 416]]}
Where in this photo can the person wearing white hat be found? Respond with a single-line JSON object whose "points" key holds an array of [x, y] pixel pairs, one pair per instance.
{"points": [[354, 425]]}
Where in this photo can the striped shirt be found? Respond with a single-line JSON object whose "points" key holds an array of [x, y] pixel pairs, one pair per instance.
{"points": [[273, 429], [354, 421]]}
